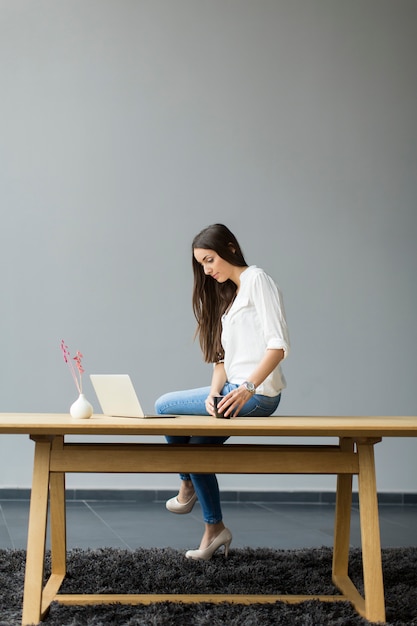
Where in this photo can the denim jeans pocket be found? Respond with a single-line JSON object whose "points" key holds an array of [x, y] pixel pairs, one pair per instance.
{"points": [[260, 406]]}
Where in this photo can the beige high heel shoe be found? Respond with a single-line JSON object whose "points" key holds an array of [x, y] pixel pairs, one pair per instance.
{"points": [[222, 539], [177, 507]]}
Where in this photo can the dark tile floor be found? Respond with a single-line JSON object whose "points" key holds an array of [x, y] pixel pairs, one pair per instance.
{"points": [[132, 524]]}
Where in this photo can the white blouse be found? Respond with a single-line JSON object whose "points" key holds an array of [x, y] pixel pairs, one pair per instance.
{"points": [[255, 323]]}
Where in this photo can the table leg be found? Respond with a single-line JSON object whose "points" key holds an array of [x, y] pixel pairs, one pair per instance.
{"points": [[38, 515], [57, 531], [342, 517], [341, 544], [370, 535], [58, 517]]}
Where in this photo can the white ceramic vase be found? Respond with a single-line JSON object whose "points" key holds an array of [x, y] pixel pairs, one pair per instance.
{"points": [[81, 408]]}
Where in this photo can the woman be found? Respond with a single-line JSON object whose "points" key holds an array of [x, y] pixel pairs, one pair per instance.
{"points": [[242, 331]]}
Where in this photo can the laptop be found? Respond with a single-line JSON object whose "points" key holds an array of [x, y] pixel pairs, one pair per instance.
{"points": [[117, 396]]}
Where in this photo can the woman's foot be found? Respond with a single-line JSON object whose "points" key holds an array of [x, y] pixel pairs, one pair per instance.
{"points": [[224, 538], [175, 506], [184, 501], [211, 531]]}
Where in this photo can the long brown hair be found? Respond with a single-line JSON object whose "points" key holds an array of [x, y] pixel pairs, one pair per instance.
{"points": [[211, 299]]}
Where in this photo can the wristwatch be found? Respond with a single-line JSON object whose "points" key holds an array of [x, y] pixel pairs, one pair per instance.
{"points": [[249, 386]]}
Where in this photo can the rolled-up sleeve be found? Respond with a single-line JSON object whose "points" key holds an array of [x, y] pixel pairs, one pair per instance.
{"points": [[269, 305]]}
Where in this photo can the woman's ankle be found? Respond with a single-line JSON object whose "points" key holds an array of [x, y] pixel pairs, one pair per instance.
{"points": [[186, 491], [212, 530]]}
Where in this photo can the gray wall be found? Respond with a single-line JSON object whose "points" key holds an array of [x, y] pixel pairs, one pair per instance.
{"points": [[129, 125]]}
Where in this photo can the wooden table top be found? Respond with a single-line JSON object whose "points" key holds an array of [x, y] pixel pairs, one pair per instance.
{"points": [[280, 425]]}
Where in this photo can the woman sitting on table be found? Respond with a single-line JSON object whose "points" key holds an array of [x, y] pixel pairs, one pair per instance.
{"points": [[242, 330]]}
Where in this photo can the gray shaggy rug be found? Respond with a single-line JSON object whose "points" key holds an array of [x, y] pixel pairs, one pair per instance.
{"points": [[247, 570]]}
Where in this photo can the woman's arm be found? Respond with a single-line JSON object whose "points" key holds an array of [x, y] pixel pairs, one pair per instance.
{"points": [[217, 383], [235, 400], [271, 359]]}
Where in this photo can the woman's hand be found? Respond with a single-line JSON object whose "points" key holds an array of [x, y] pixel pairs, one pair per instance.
{"points": [[210, 405], [217, 383], [231, 404]]}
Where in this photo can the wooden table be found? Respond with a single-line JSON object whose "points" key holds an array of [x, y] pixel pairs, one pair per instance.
{"points": [[352, 454]]}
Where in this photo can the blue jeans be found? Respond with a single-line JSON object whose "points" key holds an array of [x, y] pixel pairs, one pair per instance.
{"points": [[192, 402]]}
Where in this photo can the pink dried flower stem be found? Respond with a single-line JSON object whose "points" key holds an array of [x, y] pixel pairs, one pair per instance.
{"points": [[80, 370]]}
